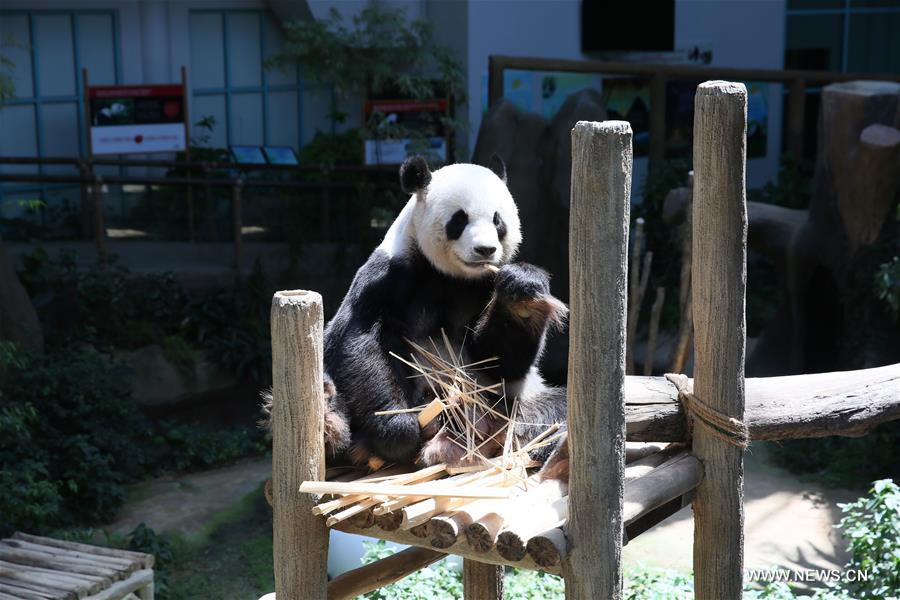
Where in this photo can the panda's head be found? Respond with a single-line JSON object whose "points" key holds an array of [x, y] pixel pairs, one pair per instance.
{"points": [[464, 216]]}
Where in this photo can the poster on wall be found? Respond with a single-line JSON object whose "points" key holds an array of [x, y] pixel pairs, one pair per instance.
{"points": [[541, 92], [136, 119], [680, 118], [628, 99], [422, 117]]}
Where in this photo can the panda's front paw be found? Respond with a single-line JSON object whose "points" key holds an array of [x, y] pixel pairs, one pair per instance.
{"points": [[518, 282], [524, 291]]}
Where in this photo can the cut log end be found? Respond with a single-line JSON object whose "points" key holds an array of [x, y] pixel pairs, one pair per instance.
{"points": [[390, 521], [546, 550], [442, 532], [480, 537], [511, 546]]}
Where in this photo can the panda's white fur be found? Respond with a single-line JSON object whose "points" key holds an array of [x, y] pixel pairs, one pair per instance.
{"points": [[480, 193], [422, 282]]}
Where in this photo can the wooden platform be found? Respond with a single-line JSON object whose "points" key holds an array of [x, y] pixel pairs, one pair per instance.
{"points": [[525, 529], [33, 567]]}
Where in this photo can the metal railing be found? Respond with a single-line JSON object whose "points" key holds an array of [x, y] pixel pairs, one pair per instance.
{"points": [[205, 175]]}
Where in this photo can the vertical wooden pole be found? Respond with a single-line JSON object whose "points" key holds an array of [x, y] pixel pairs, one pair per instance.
{"points": [[657, 120], [796, 117], [598, 279], [482, 581], [97, 207], [300, 545], [185, 99], [719, 275], [495, 81], [237, 223]]}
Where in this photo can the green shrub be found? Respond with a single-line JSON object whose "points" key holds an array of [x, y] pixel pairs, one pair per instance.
{"points": [[71, 437], [68, 438], [843, 461], [872, 528]]}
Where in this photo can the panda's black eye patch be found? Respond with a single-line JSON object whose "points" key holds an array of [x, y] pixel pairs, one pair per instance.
{"points": [[500, 225], [457, 224]]}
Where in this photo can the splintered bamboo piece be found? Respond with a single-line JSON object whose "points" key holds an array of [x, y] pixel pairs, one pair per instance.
{"points": [[430, 412], [398, 503], [402, 491], [401, 476], [420, 512]]}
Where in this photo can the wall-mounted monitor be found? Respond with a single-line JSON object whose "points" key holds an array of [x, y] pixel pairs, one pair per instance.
{"points": [[627, 25]]}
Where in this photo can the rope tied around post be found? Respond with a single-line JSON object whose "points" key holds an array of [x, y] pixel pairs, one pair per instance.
{"points": [[728, 429]]}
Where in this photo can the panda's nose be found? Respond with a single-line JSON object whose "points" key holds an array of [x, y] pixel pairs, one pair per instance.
{"points": [[485, 251]]}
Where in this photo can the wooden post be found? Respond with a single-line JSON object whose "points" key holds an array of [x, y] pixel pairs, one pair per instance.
{"points": [[97, 207], [237, 224], [598, 277], [187, 152], [796, 117], [482, 581], [298, 450], [495, 81], [657, 120], [719, 275]]}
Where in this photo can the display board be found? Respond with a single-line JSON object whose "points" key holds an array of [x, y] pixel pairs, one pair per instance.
{"points": [[136, 119]]}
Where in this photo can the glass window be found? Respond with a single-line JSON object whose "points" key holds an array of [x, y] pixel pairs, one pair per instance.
{"points": [[814, 42], [252, 105], [874, 44]]}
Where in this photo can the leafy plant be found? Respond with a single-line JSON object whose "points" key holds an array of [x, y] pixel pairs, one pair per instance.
{"points": [[887, 285], [378, 54], [871, 525]]}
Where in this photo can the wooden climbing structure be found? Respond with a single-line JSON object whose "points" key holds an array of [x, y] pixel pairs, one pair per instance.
{"points": [[692, 433]]}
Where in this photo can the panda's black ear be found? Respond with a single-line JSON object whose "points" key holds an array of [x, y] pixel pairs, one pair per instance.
{"points": [[497, 165], [414, 175]]}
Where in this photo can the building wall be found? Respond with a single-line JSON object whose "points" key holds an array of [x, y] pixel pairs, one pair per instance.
{"points": [[155, 38], [742, 33]]}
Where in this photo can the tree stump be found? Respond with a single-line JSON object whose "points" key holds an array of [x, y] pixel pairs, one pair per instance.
{"points": [[826, 256]]}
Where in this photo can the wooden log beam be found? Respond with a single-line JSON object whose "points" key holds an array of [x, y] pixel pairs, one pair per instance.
{"points": [[598, 255], [460, 548], [300, 546], [382, 572], [845, 403], [719, 277]]}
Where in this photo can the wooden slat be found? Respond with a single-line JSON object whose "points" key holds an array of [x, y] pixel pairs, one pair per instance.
{"points": [[380, 573], [121, 565], [31, 590], [145, 560], [137, 581]]}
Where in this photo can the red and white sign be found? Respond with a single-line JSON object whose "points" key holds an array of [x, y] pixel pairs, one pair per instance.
{"points": [[128, 119]]}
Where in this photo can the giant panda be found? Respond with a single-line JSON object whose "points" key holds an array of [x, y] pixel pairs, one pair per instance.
{"points": [[430, 277]]}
